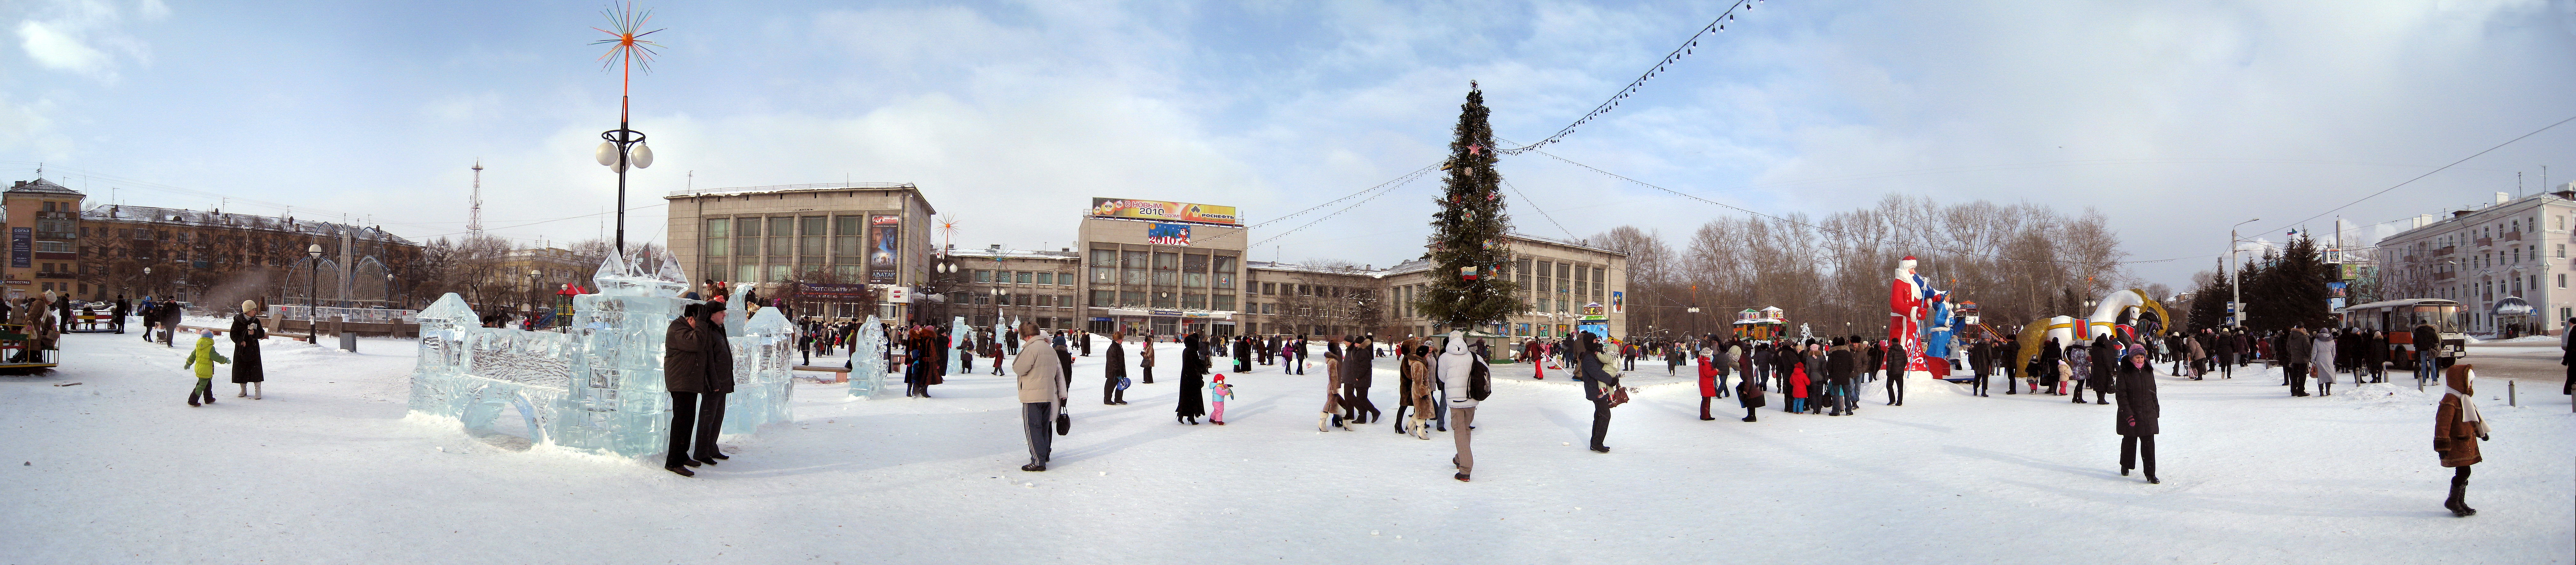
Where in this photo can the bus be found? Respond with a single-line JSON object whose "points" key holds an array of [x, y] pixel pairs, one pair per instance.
{"points": [[2399, 318]]}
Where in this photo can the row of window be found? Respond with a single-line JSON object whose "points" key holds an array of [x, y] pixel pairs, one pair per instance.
{"points": [[1162, 269], [1022, 277], [1143, 299], [842, 237], [785, 273]]}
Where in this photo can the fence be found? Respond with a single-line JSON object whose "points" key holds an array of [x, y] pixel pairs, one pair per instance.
{"points": [[362, 315]]}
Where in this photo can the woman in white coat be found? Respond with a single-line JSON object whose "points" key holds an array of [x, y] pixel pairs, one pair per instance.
{"points": [[1464, 379], [2323, 350]]}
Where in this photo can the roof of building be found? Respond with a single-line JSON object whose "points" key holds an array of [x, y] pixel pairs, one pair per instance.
{"points": [[811, 187], [41, 186], [1362, 271], [1582, 244], [158, 215], [999, 252], [2453, 218]]}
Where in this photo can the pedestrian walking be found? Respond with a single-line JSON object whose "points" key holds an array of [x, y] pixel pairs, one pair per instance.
{"points": [[2457, 429], [2294, 350], [1465, 381], [203, 360], [1145, 357], [1042, 395], [1707, 387], [246, 334], [1358, 372], [1599, 384], [1896, 353], [1194, 370], [2136, 420], [1113, 386], [1332, 413], [2325, 348]]}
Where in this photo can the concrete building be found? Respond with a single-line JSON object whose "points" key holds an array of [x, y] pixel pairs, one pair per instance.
{"points": [[1009, 286], [877, 234], [1164, 267], [1315, 300], [1567, 285], [211, 258], [2513, 249]]}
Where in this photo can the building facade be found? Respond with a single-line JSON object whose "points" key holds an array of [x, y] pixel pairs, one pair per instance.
{"points": [[2513, 249], [1566, 284], [1008, 286], [1315, 300], [1161, 267], [212, 258], [873, 234]]}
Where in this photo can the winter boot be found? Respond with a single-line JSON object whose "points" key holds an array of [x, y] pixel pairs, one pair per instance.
{"points": [[1323, 421], [255, 389], [2458, 504], [245, 391]]}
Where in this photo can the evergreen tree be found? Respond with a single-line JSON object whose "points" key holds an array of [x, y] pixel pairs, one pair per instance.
{"points": [[1467, 248], [2293, 288]]}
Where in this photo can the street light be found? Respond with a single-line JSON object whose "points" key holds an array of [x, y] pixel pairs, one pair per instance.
{"points": [[533, 275], [313, 289], [2235, 287], [389, 290], [624, 145]]}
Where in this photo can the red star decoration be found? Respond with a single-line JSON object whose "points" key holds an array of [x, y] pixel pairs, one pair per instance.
{"points": [[1475, 149]]}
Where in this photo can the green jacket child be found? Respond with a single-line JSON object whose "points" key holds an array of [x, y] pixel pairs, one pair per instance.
{"points": [[203, 359]]}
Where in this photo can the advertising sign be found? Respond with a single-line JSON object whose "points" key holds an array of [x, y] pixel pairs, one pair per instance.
{"points": [[884, 248], [841, 291], [1592, 312], [2335, 289], [1164, 211], [1168, 234], [1618, 302], [22, 246]]}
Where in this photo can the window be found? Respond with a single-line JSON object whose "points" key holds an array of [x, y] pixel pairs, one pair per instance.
{"points": [[716, 234], [1104, 275], [812, 242], [1064, 279], [847, 246], [1164, 300], [782, 236], [1194, 301], [1021, 277], [2562, 251], [1102, 298], [1167, 261], [1223, 302], [983, 276], [1046, 278], [2562, 280], [1269, 308], [1131, 298], [746, 274], [1273, 288]]}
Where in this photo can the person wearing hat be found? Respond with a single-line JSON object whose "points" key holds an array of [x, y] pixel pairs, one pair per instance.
{"points": [[2457, 429], [246, 333], [2136, 420]]}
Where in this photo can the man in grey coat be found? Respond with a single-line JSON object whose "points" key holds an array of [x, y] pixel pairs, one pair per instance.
{"points": [[1042, 393], [2294, 358]]}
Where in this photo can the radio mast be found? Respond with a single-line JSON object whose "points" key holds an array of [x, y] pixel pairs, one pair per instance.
{"points": [[474, 220]]}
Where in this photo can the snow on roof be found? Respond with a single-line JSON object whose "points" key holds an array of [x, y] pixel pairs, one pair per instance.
{"points": [[42, 186], [158, 215], [999, 252]]}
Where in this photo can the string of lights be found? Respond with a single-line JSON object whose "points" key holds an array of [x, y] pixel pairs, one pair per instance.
{"points": [[1380, 190], [1542, 212], [1687, 47]]}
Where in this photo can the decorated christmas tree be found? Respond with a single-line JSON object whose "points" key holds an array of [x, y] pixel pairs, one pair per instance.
{"points": [[1467, 248]]}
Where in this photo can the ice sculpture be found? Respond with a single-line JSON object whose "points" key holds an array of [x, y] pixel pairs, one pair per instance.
{"points": [[599, 386], [867, 360], [960, 337]]}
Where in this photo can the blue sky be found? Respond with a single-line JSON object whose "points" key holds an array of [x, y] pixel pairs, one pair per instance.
{"points": [[2176, 118]]}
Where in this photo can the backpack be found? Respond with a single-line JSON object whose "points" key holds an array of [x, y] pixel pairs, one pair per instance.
{"points": [[1480, 381]]}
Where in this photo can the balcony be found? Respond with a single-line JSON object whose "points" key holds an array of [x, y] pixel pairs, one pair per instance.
{"points": [[2513, 236], [57, 235], [2444, 251], [55, 275], [2486, 242], [57, 215], [2446, 275]]}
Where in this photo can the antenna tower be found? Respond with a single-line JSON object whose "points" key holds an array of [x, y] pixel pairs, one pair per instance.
{"points": [[474, 220]]}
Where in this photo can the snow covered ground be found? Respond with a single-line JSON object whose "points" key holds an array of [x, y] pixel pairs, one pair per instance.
{"points": [[326, 469]]}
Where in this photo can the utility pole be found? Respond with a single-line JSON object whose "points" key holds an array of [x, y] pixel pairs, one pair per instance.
{"points": [[2235, 282]]}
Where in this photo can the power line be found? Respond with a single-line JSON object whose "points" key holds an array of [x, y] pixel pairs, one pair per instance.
{"points": [[2429, 173], [1381, 190], [1542, 212], [1688, 45]]}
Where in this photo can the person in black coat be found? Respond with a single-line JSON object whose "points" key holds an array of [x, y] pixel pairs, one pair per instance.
{"points": [[246, 334], [684, 373], [1597, 386], [119, 310], [1194, 369], [2136, 421], [1980, 354], [1116, 371], [2049, 355], [1242, 355], [719, 367], [1358, 373], [1839, 368], [2106, 353]]}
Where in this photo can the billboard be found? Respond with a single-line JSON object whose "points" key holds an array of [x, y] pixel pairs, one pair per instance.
{"points": [[884, 248], [1164, 211], [1168, 234]]}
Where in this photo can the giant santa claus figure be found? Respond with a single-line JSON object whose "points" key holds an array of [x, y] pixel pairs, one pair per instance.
{"points": [[1908, 301]]}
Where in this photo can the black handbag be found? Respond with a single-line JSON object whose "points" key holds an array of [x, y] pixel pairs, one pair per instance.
{"points": [[1063, 423]]}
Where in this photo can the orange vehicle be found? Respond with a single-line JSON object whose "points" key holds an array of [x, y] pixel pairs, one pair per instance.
{"points": [[2399, 318]]}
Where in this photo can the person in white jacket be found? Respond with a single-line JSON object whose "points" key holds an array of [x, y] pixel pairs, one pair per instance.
{"points": [[2322, 351], [1459, 371]]}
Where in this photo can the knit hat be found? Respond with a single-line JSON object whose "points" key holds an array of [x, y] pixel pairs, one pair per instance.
{"points": [[1220, 378]]}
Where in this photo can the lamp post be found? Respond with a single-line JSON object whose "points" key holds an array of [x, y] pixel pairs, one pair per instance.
{"points": [[389, 290], [313, 288], [147, 280], [533, 275], [2235, 288], [624, 145]]}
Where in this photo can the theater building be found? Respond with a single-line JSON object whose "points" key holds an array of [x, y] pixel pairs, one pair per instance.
{"points": [[875, 234], [1164, 267]]}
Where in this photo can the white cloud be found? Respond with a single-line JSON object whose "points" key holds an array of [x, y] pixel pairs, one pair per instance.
{"points": [[84, 36]]}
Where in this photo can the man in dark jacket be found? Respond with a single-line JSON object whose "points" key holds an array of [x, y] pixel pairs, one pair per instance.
{"points": [[120, 310], [2428, 347], [2106, 353], [684, 373], [711, 405], [2294, 350], [2229, 348], [1980, 353], [1598, 385], [1839, 368], [1892, 359]]}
